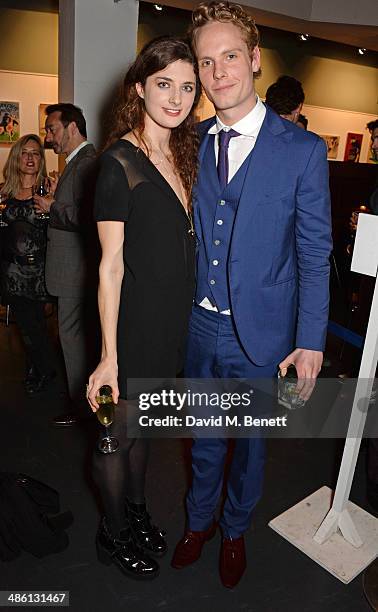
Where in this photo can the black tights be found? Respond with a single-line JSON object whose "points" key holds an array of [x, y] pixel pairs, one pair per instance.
{"points": [[30, 318], [121, 475]]}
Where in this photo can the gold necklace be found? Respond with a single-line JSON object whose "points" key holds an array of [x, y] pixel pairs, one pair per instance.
{"points": [[191, 230], [167, 165]]}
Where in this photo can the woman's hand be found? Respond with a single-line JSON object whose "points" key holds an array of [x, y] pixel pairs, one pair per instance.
{"points": [[43, 203], [106, 373]]}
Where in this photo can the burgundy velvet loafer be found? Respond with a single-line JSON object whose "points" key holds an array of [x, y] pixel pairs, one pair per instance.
{"points": [[232, 562], [189, 548]]}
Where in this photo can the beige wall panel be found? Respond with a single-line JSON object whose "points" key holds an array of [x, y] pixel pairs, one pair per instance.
{"points": [[29, 41]]}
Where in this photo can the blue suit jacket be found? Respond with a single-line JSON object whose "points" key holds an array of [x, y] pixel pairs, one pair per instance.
{"points": [[278, 266]]}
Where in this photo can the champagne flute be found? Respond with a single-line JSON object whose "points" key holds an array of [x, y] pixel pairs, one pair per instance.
{"points": [[3, 206], [41, 191], [105, 415]]}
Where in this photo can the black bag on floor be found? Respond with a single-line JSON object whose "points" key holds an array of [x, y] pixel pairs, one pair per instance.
{"points": [[24, 524]]}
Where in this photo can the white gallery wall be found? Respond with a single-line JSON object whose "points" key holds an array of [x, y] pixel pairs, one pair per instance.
{"points": [[335, 122]]}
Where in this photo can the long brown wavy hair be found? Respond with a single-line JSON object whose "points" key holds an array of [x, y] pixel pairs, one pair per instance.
{"points": [[129, 112]]}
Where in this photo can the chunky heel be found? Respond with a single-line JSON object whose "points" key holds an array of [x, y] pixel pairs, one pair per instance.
{"points": [[123, 551]]}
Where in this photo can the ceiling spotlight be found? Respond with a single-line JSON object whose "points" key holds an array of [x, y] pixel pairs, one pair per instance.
{"points": [[303, 37], [361, 51], [158, 7]]}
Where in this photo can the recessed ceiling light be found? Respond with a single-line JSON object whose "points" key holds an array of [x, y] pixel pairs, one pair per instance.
{"points": [[361, 51], [303, 37], [158, 7]]}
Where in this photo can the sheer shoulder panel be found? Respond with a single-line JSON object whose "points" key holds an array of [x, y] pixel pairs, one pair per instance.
{"points": [[128, 160]]}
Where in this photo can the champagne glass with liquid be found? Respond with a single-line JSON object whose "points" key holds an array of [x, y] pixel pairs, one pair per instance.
{"points": [[3, 206], [105, 415], [41, 191]]}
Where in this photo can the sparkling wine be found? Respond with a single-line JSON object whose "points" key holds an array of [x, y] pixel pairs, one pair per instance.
{"points": [[105, 413]]}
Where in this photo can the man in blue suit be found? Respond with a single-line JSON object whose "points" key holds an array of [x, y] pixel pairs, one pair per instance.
{"points": [[262, 216]]}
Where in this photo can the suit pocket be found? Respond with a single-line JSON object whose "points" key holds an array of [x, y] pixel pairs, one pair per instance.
{"points": [[274, 199], [289, 279]]}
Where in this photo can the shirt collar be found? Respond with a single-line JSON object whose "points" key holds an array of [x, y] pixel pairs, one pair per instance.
{"points": [[248, 125], [75, 151]]}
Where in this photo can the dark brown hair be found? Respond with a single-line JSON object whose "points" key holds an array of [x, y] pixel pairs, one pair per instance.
{"points": [[69, 114], [285, 95], [129, 111], [224, 12]]}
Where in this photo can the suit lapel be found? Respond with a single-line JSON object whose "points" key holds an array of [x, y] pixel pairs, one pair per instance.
{"points": [[204, 134], [64, 176], [268, 158], [69, 168]]}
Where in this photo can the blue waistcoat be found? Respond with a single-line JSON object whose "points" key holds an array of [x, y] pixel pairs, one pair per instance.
{"points": [[215, 212]]}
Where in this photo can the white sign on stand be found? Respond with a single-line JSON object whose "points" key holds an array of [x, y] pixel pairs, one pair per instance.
{"points": [[343, 538]]}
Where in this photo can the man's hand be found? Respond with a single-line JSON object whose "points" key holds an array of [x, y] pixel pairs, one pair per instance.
{"points": [[54, 177], [308, 364], [43, 204]]}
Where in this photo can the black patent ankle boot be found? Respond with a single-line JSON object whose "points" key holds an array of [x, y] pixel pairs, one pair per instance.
{"points": [[31, 375], [148, 536], [124, 552]]}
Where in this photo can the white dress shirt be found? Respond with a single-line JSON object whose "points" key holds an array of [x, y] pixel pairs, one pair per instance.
{"points": [[239, 149], [240, 146], [75, 151]]}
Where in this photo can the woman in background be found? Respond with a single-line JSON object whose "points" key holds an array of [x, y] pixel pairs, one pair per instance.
{"points": [[143, 209], [23, 258]]}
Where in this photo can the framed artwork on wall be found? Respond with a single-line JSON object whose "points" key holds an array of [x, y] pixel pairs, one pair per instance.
{"points": [[42, 120], [372, 157], [9, 122], [332, 143], [353, 147]]}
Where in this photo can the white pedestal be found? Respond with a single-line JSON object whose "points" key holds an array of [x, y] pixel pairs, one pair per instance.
{"points": [[299, 524]]}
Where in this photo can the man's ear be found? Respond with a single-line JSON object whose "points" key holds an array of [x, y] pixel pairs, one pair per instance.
{"points": [[139, 90], [256, 59], [73, 129]]}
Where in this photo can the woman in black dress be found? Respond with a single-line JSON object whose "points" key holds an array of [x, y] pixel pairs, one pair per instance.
{"points": [[143, 210], [23, 247]]}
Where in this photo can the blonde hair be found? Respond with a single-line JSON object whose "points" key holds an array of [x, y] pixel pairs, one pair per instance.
{"points": [[224, 12], [12, 175]]}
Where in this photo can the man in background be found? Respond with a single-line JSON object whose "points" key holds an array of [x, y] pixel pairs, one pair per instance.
{"points": [[69, 276], [286, 97]]}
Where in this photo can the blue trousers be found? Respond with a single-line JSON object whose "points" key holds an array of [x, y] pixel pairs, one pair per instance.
{"points": [[214, 351]]}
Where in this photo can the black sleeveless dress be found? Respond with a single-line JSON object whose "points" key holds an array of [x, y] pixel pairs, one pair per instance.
{"points": [[24, 236], [159, 258]]}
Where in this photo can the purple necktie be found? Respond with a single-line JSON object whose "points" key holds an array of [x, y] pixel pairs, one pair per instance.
{"points": [[223, 142]]}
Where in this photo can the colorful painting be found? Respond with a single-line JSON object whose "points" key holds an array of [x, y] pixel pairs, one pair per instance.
{"points": [[353, 147], [372, 157], [332, 143], [9, 122], [42, 120]]}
